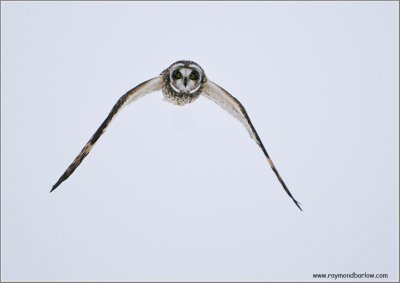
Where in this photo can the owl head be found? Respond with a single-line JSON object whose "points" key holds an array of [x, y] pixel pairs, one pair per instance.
{"points": [[185, 78]]}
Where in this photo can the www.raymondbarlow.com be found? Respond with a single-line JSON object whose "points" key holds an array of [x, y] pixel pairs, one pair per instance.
{"points": [[353, 275]]}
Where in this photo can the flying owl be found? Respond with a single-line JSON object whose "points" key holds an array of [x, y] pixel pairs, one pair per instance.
{"points": [[181, 83]]}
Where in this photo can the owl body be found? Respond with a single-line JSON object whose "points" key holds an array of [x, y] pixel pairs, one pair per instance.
{"points": [[183, 82]]}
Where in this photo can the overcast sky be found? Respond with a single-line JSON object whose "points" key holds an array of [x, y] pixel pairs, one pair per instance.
{"points": [[182, 193]]}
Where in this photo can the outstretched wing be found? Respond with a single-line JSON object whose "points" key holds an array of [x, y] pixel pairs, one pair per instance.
{"points": [[132, 95], [236, 109]]}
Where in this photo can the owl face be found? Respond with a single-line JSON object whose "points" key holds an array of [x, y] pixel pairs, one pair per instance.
{"points": [[183, 82], [185, 77]]}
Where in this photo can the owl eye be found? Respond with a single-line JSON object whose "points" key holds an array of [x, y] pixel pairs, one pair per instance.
{"points": [[178, 75], [193, 75]]}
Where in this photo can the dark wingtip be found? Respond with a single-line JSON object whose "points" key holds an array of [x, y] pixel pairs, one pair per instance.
{"points": [[54, 187], [297, 204]]}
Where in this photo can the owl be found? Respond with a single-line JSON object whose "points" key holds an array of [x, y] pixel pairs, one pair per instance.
{"points": [[181, 83]]}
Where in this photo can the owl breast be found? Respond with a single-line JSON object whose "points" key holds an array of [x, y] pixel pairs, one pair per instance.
{"points": [[176, 98]]}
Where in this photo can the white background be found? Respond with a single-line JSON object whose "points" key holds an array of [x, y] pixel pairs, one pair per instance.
{"points": [[183, 193]]}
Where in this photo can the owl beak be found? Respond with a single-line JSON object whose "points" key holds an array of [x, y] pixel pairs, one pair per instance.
{"points": [[185, 82]]}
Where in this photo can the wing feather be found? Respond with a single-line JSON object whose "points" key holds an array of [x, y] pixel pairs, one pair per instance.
{"points": [[132, 95], [224, 99]]}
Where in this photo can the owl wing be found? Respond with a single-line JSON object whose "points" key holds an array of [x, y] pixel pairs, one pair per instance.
{"points": [[236, 109], [132, 95]]}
